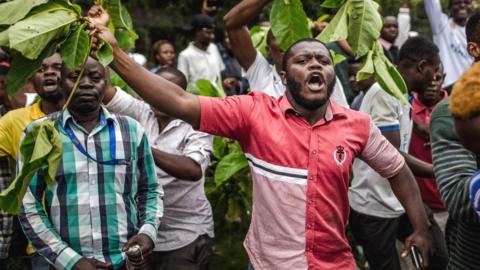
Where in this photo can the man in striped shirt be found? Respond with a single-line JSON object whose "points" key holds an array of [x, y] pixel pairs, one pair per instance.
{"points": [[105, 198]]}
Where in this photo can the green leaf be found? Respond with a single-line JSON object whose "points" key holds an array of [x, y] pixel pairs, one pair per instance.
{"points": [[289, 22], [219, 147], [31, 35], [22, 69], [388, 76], [368, 69], [41, 148], [364, 24], [77, 8], [105, 54], [122, 22], [334, 4], [75, 49], [228, 166], [16, 10], [337, 29], [4, 40], [206, 88], [337, 58], [125, 38], [258, 35]]}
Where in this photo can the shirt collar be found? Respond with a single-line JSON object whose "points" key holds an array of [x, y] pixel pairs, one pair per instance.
{"points": [[35, 112], [332, 111], [386, 44], [105, 117], [196, 49]]}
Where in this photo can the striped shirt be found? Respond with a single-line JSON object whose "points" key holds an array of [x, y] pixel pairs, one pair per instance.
{"points": [[92, 209], [300, 176], [6, 220], [454, 166]]}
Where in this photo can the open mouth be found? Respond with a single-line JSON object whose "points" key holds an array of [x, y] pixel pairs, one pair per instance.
{"points": [[315, 82], [50, 84]]}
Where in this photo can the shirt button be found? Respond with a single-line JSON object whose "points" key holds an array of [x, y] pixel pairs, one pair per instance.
{"points": [[311, 177], [314, 152], [92, 182], [309, 226]]}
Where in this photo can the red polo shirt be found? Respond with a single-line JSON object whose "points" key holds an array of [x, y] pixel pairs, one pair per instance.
{"points": [[300, 176]]}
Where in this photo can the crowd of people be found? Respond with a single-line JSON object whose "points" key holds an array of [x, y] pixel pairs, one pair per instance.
{"points": [[325, 150]]}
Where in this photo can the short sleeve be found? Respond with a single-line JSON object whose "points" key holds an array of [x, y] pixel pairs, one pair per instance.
{"points": [[381, 155], [260, 76], [198, 146], [227, 117], [385, 111], [5, 136]]}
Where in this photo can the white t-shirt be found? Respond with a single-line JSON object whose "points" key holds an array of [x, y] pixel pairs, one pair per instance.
{"points": [[263, 77], [198, 64], [451, 41], [370, 193]]}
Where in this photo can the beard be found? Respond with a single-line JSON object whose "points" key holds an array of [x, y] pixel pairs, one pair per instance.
{"points": [[53, 97], [294, 87]]}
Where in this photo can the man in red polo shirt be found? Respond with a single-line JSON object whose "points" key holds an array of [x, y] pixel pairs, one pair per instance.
{"points": [[300, 149]]}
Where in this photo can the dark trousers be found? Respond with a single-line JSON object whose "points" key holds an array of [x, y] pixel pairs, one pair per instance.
{"points": [[377, 237], [194, 256]]}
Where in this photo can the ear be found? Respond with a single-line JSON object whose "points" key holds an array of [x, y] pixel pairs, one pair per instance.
{"points": [[283, 76], [421, 65], [473, 49]]}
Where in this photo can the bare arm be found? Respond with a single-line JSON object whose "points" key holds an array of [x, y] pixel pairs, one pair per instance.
{"points": [[420, 168], [159, 92], [406, 190], [178, 166], [236, 24]]}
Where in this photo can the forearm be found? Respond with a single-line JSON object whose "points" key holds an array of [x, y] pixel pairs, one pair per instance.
{"points": [[159, 92], [406, 190], [178, 166], [419, 167], [244, 12]]}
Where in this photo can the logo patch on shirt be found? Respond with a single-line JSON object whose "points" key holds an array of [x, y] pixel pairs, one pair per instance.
{"points": [[340, 155]]}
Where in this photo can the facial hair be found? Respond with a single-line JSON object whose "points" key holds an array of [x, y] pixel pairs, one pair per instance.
{"points": [[295, 88], [54, 97]]}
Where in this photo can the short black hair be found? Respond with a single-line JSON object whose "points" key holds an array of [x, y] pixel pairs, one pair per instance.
{"points": [[472, 29], [418, 48], [201, 21], [175, 72], [288, 53]]}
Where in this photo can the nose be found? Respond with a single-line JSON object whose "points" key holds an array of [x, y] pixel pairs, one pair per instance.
{"points": [[49, 71], [85, 83]]}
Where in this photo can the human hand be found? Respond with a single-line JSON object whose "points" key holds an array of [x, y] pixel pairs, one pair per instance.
{"points": [[91, 264], [423, 240], [138, 248], [98, 19]]}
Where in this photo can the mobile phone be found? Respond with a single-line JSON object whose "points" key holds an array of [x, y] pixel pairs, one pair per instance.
{"points": [[416, 257]]}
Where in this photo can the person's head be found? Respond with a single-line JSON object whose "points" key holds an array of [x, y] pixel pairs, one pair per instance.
{"points": [[389, 30], [163, 53], [418, 62], [460, 10], [203, 27], [472, 29], [47, 80], [354, 67], [274, 49], [175, 76], [433, 93], [91, 88], [465, 108], [308, 73]]}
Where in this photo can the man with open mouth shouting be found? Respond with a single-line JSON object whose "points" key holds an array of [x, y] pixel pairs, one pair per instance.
{"points": [[300, 148]]}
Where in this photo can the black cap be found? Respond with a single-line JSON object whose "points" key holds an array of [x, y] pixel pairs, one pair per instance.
{"points": [[202, 21]]}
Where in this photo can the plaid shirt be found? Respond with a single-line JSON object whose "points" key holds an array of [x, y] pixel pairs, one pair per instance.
{"points": [[93, 209], [6, 220]]}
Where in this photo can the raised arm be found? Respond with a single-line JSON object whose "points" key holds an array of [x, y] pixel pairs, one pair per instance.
{"points": [[236, 24], [438, 20], [160, 93]]}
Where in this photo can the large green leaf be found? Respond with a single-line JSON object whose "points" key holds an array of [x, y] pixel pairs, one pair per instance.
{"points": [[388, 76], [289, 22], [4, 40], [206, 88], [22, 69], [41, 148], [31, 35], [75, 49], [337, 29], [332, 3], [229, 165], [105, 54], [122, 22], [364, 24], [259, 39], [368, 69], [13, 11], [219, 147]]}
